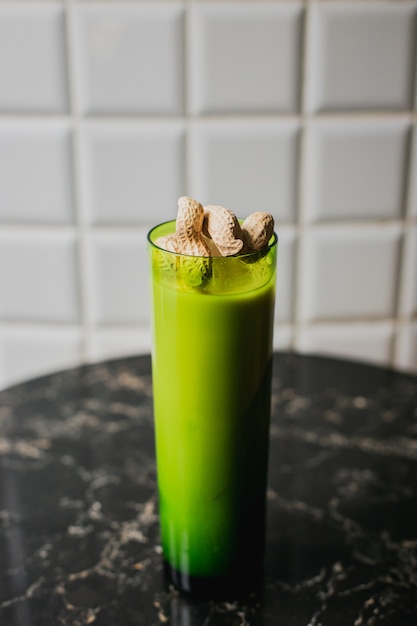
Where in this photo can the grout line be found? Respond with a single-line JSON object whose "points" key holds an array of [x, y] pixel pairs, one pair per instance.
{"points": [[349, 321], [42, 325], [77, 177], [265, 118], [168, 2], [36, 229], [187, 160], [39, 325], [413, 77], [186, 66], [333, 2], [69, 58], [301, 180], [119, 3], [49, 229], [408, 220]]}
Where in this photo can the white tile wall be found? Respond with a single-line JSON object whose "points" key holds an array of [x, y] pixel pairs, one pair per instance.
{"points": [[132, 173], [284, 306], [364, 341], [412, 200], [283, 337], [407, 347], [119, 285], [245, 57], [349, 273], [33, 77], [112, 343], [38, 277], [356, 169], [31, 352], [112, 109], [248, 165], [129, 58], [362, 56], [408, 302], [36, 175]]}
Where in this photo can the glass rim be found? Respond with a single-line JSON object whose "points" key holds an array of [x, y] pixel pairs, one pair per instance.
{"points": [[271, 244]]}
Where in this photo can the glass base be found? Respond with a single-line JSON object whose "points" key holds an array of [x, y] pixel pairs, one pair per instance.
{"points": [[236, 587]]}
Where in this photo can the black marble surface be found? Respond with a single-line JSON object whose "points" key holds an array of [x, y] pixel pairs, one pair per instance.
{"points": [[79, 541]]}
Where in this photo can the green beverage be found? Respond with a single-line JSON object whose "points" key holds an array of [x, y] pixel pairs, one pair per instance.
{"points": [[211, 369]]}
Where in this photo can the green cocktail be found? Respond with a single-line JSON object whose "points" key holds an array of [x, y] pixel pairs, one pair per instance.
{"points": [[211, 369]]}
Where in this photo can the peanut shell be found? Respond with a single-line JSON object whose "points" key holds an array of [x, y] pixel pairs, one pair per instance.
{"points": [[189, 227], [168, 242], [257, 230], [223, 227]]}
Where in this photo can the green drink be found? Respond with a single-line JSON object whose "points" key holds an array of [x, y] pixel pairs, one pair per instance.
{"points": [[211, 370]]}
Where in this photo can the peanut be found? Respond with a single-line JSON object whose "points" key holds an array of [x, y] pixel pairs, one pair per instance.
{"points": [[189, 228], [213, 231], [257, 230], [222, 226], [189, 237], [168, 242]]}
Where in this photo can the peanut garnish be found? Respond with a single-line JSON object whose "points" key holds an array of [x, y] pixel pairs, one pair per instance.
{"points": [[168, 242], [213, 231], [189, 228], [257, 230], [224, 229], [190, 242]]}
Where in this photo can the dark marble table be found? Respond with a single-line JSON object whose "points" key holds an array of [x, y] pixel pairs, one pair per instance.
{"points": [[79, 541]]}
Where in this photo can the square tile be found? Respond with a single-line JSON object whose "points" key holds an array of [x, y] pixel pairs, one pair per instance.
{"points": [[129, 58], [406, 356], [109, 343], [133, 173], [356, 169], [283, 337], [29, 353], [246, 166], [367, 342], [409, 274], [284, 306], [245, 57], [118, 278], [36, 181], [38, 277], [33, 58], [361, 55], [349, 273]]}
